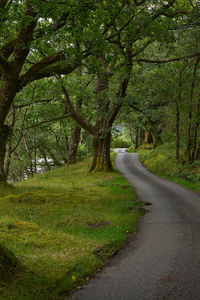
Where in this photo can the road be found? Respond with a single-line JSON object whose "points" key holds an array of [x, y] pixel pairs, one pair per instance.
{"points": [[162, 260]]}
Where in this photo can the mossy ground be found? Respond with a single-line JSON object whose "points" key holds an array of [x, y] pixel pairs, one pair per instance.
{"points": [[60, 227], [162, 162]]}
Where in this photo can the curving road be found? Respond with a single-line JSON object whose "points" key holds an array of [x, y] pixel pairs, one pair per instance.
{"points": [[162, 261]]}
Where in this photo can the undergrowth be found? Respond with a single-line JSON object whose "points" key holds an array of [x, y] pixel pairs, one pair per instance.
{"points": [[60, 227], [162, 162]]}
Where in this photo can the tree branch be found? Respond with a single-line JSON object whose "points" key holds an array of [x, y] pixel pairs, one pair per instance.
{"points": [[164, 61], [75, 115], [47, 121], [143, 48], [47, 67], [34, 102], [24, 38], [120, 30], [20, 131], [8, 48], [135, 108], [52, 27]]}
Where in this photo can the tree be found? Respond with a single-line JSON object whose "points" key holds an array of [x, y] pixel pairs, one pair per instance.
{"points": [[38, 43]]}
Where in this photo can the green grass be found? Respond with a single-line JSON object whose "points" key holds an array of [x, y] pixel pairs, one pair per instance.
{"points": [[162, 162], [60, 227]]}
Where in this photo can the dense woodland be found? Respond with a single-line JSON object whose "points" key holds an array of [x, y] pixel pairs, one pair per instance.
{"points": [[78, 76]]}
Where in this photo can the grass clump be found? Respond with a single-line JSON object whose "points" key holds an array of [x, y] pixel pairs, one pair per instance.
{"points": [[54, 225]]}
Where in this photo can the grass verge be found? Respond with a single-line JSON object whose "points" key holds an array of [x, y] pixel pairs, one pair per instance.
{"points": [[59, 228], [162, 162]]}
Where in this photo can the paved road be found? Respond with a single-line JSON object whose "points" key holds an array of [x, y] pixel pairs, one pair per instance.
{"points": [[162, 260]]}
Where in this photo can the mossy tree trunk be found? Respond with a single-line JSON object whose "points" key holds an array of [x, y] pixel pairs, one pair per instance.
{"points": [[101, 159]]}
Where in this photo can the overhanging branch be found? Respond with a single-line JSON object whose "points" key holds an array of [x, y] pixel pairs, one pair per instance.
{"points": [[76, 116]]}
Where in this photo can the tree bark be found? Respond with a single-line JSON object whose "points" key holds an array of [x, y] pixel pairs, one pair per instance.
{"points": [[4, 132], [137, 138], [101, 158], [73, 147], [189, 138]]}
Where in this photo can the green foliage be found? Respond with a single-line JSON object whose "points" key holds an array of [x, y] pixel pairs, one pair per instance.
{"points": [[120, 143]]}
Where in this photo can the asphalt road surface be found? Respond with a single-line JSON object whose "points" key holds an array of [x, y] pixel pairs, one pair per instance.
{"points": [[162, 260]]}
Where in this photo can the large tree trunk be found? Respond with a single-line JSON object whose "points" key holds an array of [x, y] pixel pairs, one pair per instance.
{"points": [[7, 94], [101, 158]]}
